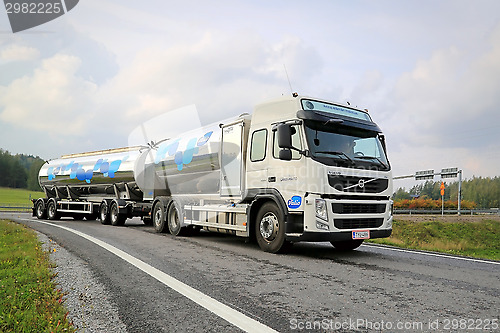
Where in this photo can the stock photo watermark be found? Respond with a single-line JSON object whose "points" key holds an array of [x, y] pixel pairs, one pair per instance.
{"points": [[26, 14], [431, 325]]}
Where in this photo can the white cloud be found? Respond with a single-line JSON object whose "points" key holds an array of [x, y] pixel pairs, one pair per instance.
{"points": [[15, 52], [51, 100], [445, 111], [224, 75], [450, 92]]}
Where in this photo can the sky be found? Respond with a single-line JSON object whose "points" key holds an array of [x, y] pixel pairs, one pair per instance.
{"points": [[428, 71]]}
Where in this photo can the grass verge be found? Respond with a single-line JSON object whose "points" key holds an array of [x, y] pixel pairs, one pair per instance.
{"points": [[29, 300], [17, 197], [472, 239]]}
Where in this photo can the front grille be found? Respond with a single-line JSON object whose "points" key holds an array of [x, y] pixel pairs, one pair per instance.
{"points": [[357, 208], [358, 223], [358, 184]]}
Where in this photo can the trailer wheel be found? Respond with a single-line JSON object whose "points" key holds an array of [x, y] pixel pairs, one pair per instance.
{"points": [[270, 228], [158, 218], [174, 220], [52, 210], [115, 217], [347, 245], [103, 213], [40, 211]]}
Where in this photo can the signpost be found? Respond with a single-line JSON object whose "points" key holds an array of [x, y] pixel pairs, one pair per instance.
{"points": [[442, 198], [423, 175], [445, 173]]}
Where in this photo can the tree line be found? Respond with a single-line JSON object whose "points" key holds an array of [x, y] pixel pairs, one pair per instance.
{"points": [[19, 171], [477, 191]]}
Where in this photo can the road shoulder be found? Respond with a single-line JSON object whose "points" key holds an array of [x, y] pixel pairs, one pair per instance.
{"points": [[89, 304]]}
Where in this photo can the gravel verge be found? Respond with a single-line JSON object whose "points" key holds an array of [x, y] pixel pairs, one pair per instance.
{"points": [[89, 304]]}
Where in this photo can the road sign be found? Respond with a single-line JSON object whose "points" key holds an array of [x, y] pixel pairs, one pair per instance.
{"points": [[426, 174], [449, 173]]}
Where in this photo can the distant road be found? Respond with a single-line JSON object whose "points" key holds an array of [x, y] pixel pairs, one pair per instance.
{"points": [[311, 289]]}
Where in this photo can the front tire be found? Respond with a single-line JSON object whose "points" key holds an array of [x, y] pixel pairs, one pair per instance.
{"points": [[270, 228], [347, 245]]}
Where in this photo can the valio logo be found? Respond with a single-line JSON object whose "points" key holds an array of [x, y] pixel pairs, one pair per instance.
{"points": [[26, 14], [294, 202]]}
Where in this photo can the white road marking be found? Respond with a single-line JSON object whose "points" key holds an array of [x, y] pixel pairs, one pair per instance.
{"points": [[433, 254], [227, 313]]}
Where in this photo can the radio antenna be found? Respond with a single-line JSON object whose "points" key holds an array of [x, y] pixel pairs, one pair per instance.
{"points": [[289, 83]]}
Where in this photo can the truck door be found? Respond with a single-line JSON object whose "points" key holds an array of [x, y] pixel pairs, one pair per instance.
{"points": [[231, 161]]}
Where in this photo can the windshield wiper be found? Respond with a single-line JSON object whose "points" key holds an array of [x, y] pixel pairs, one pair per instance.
{"points": [[373, 158], [341, 153]]}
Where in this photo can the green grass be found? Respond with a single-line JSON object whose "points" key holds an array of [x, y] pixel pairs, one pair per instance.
{"points": [[478, 239], [18, 197], [29, 301]]}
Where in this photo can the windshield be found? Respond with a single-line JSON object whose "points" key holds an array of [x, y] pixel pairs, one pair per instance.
{"points": [[345, 146]]}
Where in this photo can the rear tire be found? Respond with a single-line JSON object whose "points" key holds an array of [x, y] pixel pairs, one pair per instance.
{"points": [[52, 210], [174, 220], [103, 213], [40, 211], [270, 228], [347, 245], [159, 219], [115, 217]]}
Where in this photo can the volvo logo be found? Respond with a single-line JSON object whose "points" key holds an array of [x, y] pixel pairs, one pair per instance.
{"points": [[361, 183]]}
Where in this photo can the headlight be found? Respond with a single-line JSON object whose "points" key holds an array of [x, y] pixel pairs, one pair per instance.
{"points": [[320, 205]]}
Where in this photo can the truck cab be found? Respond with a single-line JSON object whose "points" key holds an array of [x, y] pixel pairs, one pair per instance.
{"points": [[324, 166]]}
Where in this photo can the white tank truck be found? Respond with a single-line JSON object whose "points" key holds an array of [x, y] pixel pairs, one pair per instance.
{"points": [[297, 169]]}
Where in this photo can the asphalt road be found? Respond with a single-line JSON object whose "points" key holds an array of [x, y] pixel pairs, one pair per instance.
{"points": [[313, 288]]}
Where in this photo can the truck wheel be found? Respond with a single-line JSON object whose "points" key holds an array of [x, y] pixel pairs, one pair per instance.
{"points": [[40, 211], [52, 210], [347, 245], [270, 228], [103, 213], [115, 217], [159, 220], [174, 220]]}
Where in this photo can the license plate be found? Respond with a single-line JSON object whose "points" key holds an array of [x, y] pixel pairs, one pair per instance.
{"points": [[361, 234]]}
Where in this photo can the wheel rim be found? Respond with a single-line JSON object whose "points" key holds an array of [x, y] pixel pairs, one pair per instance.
{"points": [[104, 212], [52, 210], [114, 213], [39, 210], [158, 217], [269, 226], [174, 219]]}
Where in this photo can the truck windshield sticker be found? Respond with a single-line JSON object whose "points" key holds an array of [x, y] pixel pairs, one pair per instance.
{"points": [[295, 202], [335, 109]]}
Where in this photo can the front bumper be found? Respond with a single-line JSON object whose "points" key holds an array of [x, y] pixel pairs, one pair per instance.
{"points": [[312, 236]]}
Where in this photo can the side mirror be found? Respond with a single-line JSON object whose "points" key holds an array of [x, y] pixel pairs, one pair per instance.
{"points": [[285, 154], [284, 133]]}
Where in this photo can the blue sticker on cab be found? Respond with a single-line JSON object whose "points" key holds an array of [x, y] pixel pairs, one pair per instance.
{"points": [[295, 202]]}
